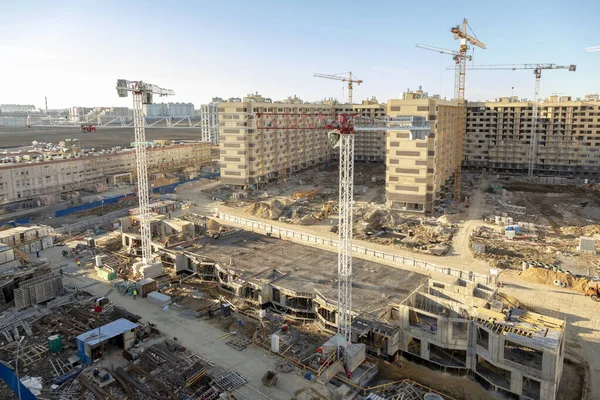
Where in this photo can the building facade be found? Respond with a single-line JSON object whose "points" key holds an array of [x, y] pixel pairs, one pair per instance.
{"points": [[27, 181], [209, 121], [263, 141], [251, 157], [498, 136], [420, 162], [163, 110], [16, 108]]}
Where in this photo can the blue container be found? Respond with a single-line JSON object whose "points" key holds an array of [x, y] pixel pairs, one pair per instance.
{"points": [[308, 376]]}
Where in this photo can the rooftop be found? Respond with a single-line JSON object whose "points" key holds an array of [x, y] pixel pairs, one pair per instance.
{"points": [[305, 269], [108, 331]]}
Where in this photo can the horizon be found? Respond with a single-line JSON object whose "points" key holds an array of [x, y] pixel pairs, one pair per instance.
{"points": [[204, 50]]}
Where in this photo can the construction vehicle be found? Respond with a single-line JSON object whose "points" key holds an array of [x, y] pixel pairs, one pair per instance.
{"points": [[593, 290], [307, 194], [591, 188], [325, 211], [88, 128]]}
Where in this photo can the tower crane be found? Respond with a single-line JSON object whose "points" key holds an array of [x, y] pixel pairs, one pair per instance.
{"points": [[340, 130], [142, 94], [336, 77], [461, 58], [537, 70], [455, 56], [593, 48]]}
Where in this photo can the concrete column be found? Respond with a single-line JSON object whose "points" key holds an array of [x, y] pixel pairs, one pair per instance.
{"points": [[516, 381], [424, 349]]}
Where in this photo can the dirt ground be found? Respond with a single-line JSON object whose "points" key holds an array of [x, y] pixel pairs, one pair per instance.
{"points": [[104, 137], [461, 388]]}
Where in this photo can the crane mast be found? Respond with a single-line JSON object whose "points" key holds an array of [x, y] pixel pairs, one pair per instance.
{"points": [[537, 71], [142, 94], [460, 58], [350, 81], [346, 201], [460, 32]]}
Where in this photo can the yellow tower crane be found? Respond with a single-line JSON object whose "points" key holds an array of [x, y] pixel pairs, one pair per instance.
{"points": [[461, 58], [350, 81]]}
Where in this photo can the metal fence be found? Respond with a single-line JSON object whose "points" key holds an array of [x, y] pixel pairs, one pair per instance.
{"points": [[88, 223], [394, 258]]}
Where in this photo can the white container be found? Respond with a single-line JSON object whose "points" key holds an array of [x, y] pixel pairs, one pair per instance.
{"points": [[275, 343], [98, 261]]}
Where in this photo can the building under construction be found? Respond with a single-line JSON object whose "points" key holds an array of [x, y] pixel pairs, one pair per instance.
{"points": [[461, 327], [498, 136], [253, 155]]}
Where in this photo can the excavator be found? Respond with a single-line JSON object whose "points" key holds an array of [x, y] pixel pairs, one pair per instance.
{"points": [[593, 290]]}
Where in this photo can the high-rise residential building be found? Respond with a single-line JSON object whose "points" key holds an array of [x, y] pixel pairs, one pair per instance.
{"points": [[251, 157], [163, 110], [209, 121], [369, 145], [420, 153], [420, 161], [499, 133]]}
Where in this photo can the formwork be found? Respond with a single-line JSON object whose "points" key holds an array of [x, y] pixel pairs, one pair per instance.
{"points": [[38, 290]]}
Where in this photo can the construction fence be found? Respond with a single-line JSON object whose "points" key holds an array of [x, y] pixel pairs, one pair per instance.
{"points": [[394, 258], [91, 222]]}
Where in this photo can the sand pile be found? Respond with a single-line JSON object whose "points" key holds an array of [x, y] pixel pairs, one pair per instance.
{"points": [[270, 209], [541, 275], [192, 185]]}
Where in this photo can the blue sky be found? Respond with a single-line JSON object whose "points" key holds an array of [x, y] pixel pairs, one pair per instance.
{"points": [[74, 51]]}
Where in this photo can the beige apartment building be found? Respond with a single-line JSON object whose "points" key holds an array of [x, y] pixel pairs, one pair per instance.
{"points": [[498, 136], [420, 161], [28, 181], [420, 158], [251, 157]]}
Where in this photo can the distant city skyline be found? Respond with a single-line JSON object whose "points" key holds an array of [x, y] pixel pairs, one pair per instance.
{"points": [[74, 54]]}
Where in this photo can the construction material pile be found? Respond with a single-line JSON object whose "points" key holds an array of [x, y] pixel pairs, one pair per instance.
{"points": [[184, 187], [548, 277], [269, 209], [389, 227]]}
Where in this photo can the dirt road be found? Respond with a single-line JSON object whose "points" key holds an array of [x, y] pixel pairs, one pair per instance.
{"points": [[460, 243]]}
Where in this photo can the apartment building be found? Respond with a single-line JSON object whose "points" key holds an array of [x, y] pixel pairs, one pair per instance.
{"points": [[369, 146], [251, 156], [209, 121], [28, 181], [498, 136], [420, 161]]}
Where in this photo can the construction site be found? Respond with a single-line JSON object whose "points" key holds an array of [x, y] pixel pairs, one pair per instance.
{"points": [[336, 250]]}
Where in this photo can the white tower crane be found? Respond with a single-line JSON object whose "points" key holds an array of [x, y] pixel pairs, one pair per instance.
{"points": [[142, 94]]}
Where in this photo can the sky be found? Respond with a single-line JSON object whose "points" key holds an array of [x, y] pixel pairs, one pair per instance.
{"points": [[74, 51]]}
